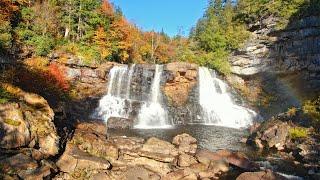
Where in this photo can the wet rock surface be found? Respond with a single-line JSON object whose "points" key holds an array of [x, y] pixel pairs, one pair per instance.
{"points": [[90, 154]]}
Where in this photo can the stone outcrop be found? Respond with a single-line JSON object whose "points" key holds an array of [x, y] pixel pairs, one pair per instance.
{"points": [[293, 49], [181, 79], [270, 134], [278, 69], [181, 91], [88, 86], [28, 122]]}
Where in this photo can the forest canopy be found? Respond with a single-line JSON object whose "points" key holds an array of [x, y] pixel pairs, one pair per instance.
{"points": [[96, 31]]}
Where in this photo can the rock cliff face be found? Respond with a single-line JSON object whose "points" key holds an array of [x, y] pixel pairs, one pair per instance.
{"points": [[183, 77], [294, 49], [286, 63], [181, 91]]}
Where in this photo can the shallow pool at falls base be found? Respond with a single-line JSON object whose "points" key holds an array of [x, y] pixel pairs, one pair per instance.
{"points": [[209, 137]]}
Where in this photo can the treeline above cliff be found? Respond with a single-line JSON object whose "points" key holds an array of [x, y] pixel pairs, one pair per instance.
{"points": [[92, 30], [96, 31]]}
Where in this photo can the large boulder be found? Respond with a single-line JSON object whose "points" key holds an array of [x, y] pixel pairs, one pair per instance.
{"points": [[96, 126], [161, 168], [185, 143], [28, 122], [262, 175], [155, 149], [237, 159], [234, 158], [73, 159], [159, 146], [270, 134], [91, 138]]}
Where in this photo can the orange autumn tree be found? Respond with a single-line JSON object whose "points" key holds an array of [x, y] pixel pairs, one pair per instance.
{"points": [[120, 33], [107, 8], [116, 41]]}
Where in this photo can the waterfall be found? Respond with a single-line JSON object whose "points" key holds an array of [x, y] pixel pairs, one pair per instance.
{"points": [[152, 114], [217, 105], [116, 103], [131, 95], [130, 74]]}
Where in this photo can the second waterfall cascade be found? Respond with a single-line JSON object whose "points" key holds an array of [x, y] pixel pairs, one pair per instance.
{"points": [[218, 107], [135, 92], [152, 114]]}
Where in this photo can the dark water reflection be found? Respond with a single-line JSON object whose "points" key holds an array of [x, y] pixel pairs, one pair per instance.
{"points": [[209, 137]]}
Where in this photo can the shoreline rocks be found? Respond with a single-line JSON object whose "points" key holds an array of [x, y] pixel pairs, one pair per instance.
{"points": [[136, 158]]}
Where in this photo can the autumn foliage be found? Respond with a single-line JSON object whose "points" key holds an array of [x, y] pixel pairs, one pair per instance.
{"points": [[107, 8], [56, 75], [47, 81]]}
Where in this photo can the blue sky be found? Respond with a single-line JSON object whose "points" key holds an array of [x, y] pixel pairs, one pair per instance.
{"points": [[169, 15]]}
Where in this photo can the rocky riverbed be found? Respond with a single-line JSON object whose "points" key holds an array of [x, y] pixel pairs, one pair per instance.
{"points": [[90, 154], [31, 150]]}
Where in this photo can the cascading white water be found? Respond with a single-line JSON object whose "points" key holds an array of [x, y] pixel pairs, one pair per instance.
{"points": [[218, 108], [114, 103], [216, 103], [152, 114], [130, 74], [117, 102]]}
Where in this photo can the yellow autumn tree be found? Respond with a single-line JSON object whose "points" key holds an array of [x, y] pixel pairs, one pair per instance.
{"points": [[102, 42]]}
